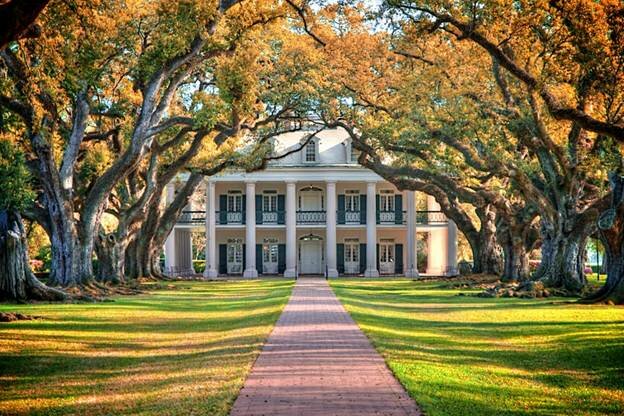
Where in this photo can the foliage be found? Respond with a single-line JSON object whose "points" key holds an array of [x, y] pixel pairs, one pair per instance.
{"points": [[15, 180]]}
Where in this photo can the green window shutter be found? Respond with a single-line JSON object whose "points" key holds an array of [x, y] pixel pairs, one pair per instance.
{"points": [[222, 209], [340, 257], [377, 248], [377, 205], [281, 258], [362, 258], [341, 209], [222, 258], [259, 258], [281, 207], [258, 209], [398, 209], [244, 209], [362, 209], [398, 258], [244, 257]]}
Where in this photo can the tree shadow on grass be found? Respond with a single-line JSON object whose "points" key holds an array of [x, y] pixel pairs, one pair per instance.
{"points": [[138, 355], [497, 360]]}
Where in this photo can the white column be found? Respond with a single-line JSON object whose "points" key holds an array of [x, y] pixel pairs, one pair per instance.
{"points": [[291, 229], [330, 237], [437, 244], [250, 230], [211, 241], [411, 268], [452, 249], [170, 251], [371, 231]]}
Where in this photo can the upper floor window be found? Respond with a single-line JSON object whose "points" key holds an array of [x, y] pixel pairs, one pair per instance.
{"points": [[310, 151], [354, 154], [352, 201], [386, 201], [234, 201], [269, 201]]}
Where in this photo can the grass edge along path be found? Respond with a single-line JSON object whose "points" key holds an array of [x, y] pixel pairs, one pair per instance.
{"points": [[462, 355], [184, 350]]}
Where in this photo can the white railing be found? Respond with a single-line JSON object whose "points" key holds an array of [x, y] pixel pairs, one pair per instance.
{"points": [[386, 217], [310, 217], [234, 217], [269, 217], [352, 217]]}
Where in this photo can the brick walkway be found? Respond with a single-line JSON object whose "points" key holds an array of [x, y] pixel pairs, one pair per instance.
{"points": [[318, 362]]}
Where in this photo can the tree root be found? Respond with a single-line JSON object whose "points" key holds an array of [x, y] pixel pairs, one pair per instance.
{"points": [[14, 316]]}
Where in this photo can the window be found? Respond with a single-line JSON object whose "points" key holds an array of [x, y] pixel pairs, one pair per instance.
{"points": [[352, 201], [310, 151], [386, 201], [354, 154], [269, 250], [269, 202], [235, 202]]}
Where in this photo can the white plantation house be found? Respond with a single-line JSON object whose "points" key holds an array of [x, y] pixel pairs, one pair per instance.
{"points": [[315, 211]]}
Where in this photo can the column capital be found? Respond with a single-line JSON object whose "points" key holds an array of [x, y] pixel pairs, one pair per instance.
{"points": [[330, 181], [250, 181], [291, 181]]}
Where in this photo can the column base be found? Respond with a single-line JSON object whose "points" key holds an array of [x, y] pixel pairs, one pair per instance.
{"points": [[250, 273], [332, 273], [452, 272], [211, 273], [371, 273], [290, 273], [436, 272], [412, 273]]}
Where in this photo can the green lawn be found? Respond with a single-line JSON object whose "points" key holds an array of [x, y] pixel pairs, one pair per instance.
{"points": [[171, 352], [461, 355]]}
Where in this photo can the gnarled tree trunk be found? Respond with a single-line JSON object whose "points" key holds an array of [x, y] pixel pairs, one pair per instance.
{"points": [[516, 259], [110, 253], [563, 258], [611, 232], [486, 252], [17, 282]]}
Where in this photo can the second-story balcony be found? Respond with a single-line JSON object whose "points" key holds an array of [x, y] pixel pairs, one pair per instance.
{"points": [[318, 217], [310, 217]]}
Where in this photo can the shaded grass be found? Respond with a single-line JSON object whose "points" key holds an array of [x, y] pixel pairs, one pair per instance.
{"points": [[474, 356], [184, 351]]}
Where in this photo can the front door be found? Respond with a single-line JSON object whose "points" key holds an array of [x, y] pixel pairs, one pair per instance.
{"points": [[352, 257], [310, 256], [386, 257], [269, 257], [235, 257]]}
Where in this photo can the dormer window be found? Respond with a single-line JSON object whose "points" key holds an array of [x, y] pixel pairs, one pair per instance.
{"points": [[310, 151], [355, 154]]}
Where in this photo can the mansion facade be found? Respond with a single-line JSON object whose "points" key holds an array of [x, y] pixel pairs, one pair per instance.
{"points": [[314, 212]]}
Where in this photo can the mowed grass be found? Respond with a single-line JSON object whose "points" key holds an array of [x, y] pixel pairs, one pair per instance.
{"points": [[182, 351], [460, 355]]}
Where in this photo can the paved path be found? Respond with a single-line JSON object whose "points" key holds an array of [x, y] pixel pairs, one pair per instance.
{"points": [[318, 362]]}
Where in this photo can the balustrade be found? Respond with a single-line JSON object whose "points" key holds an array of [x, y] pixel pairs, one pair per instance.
{"points": [[312, 217]]}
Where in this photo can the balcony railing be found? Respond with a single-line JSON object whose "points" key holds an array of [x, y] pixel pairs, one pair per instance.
{"points": [[232, 217], [352, 217], [312, 217], [431, 217], [192, 217]]}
